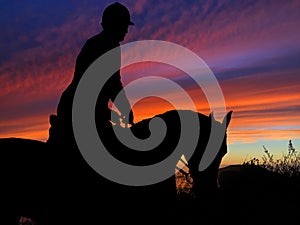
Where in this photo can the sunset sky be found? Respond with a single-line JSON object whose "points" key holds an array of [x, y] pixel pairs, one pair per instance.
{"points": [[252, 47]]}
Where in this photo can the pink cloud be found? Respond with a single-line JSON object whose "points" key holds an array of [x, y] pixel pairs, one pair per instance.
{"points": [[223, 35]]}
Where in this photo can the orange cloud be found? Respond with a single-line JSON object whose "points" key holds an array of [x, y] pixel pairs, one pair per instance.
{"points": [[248, 48]]}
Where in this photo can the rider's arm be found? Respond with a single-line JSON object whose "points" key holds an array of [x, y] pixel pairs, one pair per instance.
{"points": [[122, 104]]}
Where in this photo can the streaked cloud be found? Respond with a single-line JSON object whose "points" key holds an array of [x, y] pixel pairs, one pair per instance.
{"points": [[252, 47]]}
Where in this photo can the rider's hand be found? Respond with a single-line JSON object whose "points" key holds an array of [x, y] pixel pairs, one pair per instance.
{"points": [[128, 120]]}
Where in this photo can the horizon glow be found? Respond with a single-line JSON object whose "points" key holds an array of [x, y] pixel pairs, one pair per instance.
{"points": [[253, 54]]}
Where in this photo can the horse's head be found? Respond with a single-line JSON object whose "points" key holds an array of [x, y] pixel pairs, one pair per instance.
{"points": [[212, 146], [221, 131]]}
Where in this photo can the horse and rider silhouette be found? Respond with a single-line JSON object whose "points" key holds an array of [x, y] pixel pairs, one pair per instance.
{"points": [[52, 181]]}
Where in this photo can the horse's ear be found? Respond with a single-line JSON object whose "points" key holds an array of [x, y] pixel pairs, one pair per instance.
{"points": [[211, 115], [227, 118]]}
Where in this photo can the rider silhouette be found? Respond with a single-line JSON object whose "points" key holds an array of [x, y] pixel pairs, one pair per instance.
{"points": [[80, 188], [115, 23]]}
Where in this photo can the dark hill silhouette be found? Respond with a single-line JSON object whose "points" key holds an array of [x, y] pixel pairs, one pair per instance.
{"points": [[57, 186], [249, 195]]}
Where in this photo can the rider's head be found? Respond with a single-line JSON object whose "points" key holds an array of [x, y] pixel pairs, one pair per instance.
{"points": [[115, 20]]}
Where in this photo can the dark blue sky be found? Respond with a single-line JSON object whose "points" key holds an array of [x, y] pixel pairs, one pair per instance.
{"points": [[251, 46]]}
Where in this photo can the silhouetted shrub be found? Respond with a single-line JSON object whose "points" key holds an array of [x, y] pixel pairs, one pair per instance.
{"points": [[184, 182], [288, 165], [26, 221]]}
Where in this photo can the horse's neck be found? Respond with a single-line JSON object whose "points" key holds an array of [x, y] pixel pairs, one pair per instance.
{"points": [[194, 161]]}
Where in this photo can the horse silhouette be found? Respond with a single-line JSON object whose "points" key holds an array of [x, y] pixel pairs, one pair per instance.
{"points": [[56, 185]]}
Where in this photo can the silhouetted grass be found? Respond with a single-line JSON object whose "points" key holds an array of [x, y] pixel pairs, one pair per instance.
{"points": [[288, 164], [184, 183], [26, 221]]}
